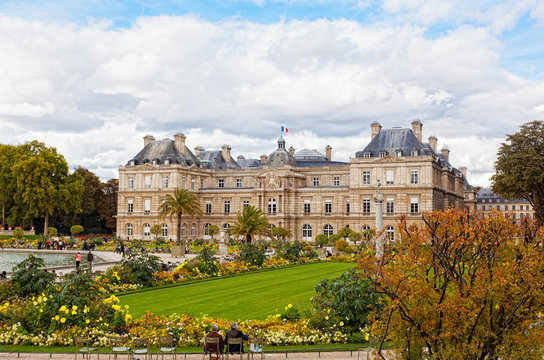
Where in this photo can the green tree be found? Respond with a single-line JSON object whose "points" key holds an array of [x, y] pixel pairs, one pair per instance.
{"points": [[345, 232], [89, 217], [44, 185], [281, 233], [107, 206], [76, 229], [8, 157], [182, 202], [250, 222], [51, 231], [321, 239], [212, 230], [519, 165], [156, 230], [355, 236], [30, 278]]}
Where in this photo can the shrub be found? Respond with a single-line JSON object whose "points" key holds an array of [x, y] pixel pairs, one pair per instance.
{"points": [[141, 266], [341, 245], [76, 229], [18, 233], [321, 239], [52, 232], [252, 254], [29, 278]]}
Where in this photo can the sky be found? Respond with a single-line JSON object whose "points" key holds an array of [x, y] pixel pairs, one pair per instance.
{"points": [[93, 77]]}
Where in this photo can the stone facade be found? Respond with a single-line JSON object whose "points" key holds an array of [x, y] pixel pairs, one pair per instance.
{"points": [[305, 191], [517, 209]]}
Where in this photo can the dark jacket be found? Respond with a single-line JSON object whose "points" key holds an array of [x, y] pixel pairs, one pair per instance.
{"points": [[234, 334], [212, 348]]}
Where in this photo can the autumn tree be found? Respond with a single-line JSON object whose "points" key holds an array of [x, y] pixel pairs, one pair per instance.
{"points": [[44, 185], [461, 286], [519, 165]]}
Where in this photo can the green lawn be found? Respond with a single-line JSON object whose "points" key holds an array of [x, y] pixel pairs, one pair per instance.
{"points": [[251, 296]]}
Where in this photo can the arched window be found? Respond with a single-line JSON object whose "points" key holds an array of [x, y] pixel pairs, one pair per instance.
{"points": [[390, 233], [129, 229], [183, 230], [328, 230], [226, 227], [192, 230], [306, 232], [206, 227], [147, 230], [164, 230], [271, 226], [364, 228], [272, 206]]}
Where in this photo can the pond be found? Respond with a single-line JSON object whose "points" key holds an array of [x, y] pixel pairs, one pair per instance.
{"points": [[8, 259]]}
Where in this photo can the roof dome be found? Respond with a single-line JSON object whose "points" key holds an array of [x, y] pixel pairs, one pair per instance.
{"points": [[280, 156]]}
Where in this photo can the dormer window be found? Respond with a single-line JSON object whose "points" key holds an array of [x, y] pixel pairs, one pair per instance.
{"points": [[132, 162], [382, 154], [154, 162], [414, 153], [398, 153], [366, 154], [167, 161]]}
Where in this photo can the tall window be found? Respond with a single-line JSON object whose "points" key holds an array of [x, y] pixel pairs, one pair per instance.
{"points": [[414, 153], [366, 206], [129, 229], [245, 203], [414, 205], [130, 206], [221, 183], [327, 230], [208, 207], [227, 206], [165, 182], [271, 206], [164, 230], [183, 232], [390, 206], [147, 206], [328, 206], [306, 206], [348, 208], [147, 230], [147, 181], [390, 233], [238, 183], [414, 178], [364, 228], [336, 181], [131, 182], [366, 154], [206, 228], [366, 177], [192, 230], [316, 181], [382, 154], [389, 176], [183, 182], [306, 232], [192, 183]]}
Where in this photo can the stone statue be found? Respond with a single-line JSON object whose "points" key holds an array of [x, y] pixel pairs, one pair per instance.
{"points": [[379, 196]]}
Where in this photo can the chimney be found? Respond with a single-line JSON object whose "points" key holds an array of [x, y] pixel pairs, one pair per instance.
{"points": [[240, 157], [225, 149], [148, 139], [198, 150], [432, 142], [463, 169], [416, 129], [292, 151], [179, 141], [328, 152], [446, 154], [264, 159], [375, 127]]}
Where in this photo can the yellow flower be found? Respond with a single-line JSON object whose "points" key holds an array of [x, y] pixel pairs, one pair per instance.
{"points": [[66, 311], [367, 337], [74, 307], [290, 306], [126, 307], [87, 321], [62, 308], [128, 317], [341, 323], [74, 312], [326, 318], [63, 320], [57, 317]]}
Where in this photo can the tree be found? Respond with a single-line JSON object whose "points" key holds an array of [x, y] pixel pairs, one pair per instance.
{"points": [[156, 230], [52, 231], [107, 206], [281, 233], [321, 239], [461, 286], [519, 165], [355, 236], [44, 186], [345, 232], [76, 229], [212, 230], [90, 201], [250, 222], [182, 202], [8, 156]]}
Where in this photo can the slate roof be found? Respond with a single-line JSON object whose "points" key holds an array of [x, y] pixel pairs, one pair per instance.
{"points": [[393, 140], [309, 154], [159, 151], [249, 163], [213, 159]]}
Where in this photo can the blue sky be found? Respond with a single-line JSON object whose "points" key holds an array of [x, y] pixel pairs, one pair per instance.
{"points": [[81, 75]]}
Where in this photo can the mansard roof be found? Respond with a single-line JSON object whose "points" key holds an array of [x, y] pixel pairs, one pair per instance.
{"points": [[249, 163], [393, 140], [161, 151], [213, 159]]}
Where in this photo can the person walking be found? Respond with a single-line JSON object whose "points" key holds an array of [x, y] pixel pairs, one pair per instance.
{"points": [[78, 260], [90, 258]]}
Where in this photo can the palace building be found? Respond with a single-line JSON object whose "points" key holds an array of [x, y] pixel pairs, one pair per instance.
{"points": [[303, 191]]}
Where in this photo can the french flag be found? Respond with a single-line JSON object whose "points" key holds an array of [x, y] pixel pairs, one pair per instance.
{"points": [[284, 129]]}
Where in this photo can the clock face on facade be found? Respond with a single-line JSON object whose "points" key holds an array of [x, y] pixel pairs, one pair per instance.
{"points": [[271, 180]]}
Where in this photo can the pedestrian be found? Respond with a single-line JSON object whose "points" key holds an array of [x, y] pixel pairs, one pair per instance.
{"points": [[90, 258], [78, 260]]}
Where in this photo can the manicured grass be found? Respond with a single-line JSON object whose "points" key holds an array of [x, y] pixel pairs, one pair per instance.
{"points": [[25, 237], [251, 296]]}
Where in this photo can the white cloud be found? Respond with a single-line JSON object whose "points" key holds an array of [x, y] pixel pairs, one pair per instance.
{"points": [[93, 91]]}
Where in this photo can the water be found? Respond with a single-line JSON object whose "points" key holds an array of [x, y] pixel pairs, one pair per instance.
{"points": [[9, 259]]}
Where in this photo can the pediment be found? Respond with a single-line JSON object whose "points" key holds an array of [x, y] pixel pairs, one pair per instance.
{"points": [[148, 167], [389, 159]]}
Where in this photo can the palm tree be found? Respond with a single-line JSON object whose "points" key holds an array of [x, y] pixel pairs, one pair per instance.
{"points": [[183, 202], [250, 222]]}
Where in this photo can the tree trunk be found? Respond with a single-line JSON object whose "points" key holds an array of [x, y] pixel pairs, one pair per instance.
{"points": [[3, 214], [178, 235], [46, 223]]}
